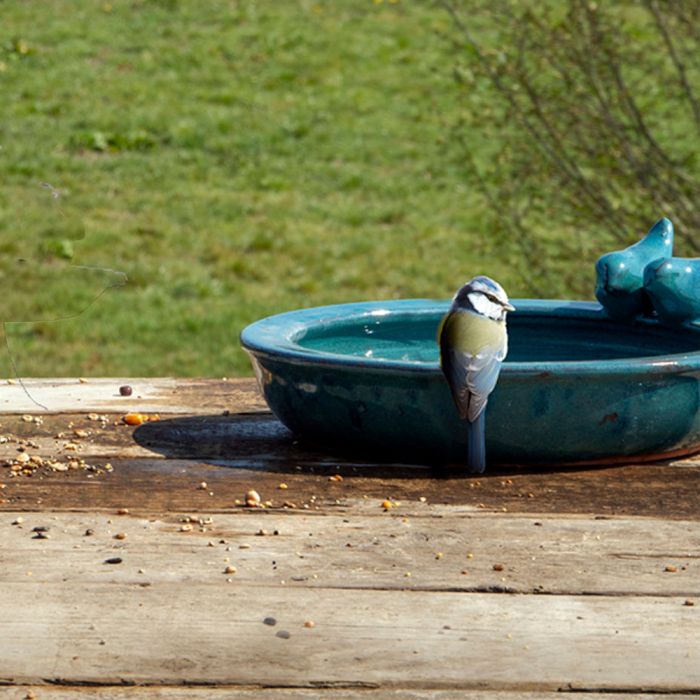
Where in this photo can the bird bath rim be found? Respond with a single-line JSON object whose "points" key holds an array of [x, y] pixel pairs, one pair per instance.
{"points": [[280, 337]]}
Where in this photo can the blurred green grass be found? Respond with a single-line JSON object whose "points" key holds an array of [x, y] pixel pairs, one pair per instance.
{"points": [[234, 159]]}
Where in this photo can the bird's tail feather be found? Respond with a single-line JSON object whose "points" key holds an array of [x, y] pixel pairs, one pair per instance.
{"points": [[477, 444]]}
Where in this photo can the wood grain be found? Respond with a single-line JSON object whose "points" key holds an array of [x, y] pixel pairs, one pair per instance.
{"points": [[436, 549], [101, 395], [169, 632], [158, 465], [440, 594]]}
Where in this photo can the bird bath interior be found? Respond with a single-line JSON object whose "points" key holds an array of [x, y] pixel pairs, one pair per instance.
{"points": [[576, 387]]}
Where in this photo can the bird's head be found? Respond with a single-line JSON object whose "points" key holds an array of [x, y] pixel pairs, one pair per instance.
{"points": [[483, 296]]}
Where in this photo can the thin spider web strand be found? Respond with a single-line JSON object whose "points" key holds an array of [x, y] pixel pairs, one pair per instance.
{"points": [[116, 285]]}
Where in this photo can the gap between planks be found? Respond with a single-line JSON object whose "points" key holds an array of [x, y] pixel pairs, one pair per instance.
{"points": [[120, 692]]}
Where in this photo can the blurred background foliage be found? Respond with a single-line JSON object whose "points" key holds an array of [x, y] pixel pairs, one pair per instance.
{"points": [[236, 159], [592, 116]]}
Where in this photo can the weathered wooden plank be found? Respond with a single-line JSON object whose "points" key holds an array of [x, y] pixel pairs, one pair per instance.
{"points": [[47, 692], [238, 434], [256, 451], [161, 485], [436, 549], [163, 395], [167, 632]]}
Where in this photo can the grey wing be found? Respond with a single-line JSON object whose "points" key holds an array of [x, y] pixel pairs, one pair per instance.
{"points": [[455, 366], [473, 377], [482, 376]]}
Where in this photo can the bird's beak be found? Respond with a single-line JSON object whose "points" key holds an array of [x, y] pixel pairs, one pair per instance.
{"points": [[508, 307]]}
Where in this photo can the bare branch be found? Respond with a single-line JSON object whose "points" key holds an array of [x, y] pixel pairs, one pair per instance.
{"points": [[676, 59]]}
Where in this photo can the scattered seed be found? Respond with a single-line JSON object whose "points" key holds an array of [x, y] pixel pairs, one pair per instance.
{"points": [[187, 527], [387, 504], [252, 499], [134, 418], [114, 560], [125, 390], [422, 499], [18, 520], [671, 568], [309, 624], [270, 621], [82, 380], [335, 477], [122, 511], [262, 532], [464, 572], [498, 567], [283, 487], [439, 555], [230, 569], [120, 536], [244, 546], [689, 603], [22, 458], [202, 486], [89, 532], [407, 574], [27, 418], [283, 634]]}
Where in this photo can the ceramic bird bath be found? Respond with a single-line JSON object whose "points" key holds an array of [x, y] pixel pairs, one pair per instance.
{"points": [[579, 385]]}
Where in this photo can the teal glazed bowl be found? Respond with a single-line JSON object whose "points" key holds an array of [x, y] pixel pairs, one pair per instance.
{"points": [[575, 388]]}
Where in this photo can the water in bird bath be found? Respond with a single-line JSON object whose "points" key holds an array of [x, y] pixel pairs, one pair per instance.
{"points": [[532, 338]]}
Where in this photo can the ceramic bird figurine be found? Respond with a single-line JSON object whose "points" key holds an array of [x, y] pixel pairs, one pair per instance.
{"points": [[673, 285], [473, 344], [620, 275]]}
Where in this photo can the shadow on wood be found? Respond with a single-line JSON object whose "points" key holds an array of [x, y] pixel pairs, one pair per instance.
{"points": [[262, 442]]}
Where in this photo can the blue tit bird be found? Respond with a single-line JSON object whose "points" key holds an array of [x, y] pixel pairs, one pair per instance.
{"points": [[673, 285], [620, 275], [473, 344]]}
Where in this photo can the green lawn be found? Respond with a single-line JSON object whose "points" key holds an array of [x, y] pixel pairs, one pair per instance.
{"points": [[234, 160]]}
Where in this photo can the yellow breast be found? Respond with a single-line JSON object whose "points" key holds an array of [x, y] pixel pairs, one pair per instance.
{"points": [[467, 332]]}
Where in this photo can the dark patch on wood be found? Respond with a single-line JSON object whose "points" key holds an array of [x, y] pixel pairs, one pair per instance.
{"points": [[163, 485], [241, 451]]}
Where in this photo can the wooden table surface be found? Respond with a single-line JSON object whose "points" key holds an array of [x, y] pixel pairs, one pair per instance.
{"points": [[512, 585]]}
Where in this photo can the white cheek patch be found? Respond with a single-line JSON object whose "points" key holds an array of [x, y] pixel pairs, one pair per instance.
{"points": [[485, 306]]}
